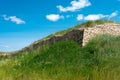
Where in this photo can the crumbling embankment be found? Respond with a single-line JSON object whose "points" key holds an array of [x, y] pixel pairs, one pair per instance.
{"points": [[79, 35]]}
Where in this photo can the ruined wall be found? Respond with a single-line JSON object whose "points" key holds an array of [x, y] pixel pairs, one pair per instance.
{"points": [[75, 35], [109, 28], [81, 36]]}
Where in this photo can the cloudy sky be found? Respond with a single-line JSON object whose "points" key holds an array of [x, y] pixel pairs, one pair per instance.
{"points": [[25, 21]]}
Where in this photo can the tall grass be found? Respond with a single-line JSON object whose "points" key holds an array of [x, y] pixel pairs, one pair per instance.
{"points": [[65, 60]]}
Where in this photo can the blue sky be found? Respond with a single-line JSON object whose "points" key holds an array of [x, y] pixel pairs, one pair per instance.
{"points": [[25, 21]]}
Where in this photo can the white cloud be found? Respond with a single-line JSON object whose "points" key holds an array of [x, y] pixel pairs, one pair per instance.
{"points": [[114, 14], [80, 17], [91, 17], [13, 19], [75, 5], [95, 17], [54, 17], [5, 17]]}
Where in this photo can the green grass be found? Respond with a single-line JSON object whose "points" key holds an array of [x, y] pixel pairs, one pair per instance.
{"points": [[93, 23], [65, 60]]}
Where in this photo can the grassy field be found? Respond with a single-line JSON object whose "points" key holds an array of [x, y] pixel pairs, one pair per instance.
{"points": [[65, 60]]}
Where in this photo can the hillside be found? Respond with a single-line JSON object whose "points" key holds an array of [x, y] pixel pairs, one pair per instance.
{"points": [[98, 60], [65, 59], [81, 34]]}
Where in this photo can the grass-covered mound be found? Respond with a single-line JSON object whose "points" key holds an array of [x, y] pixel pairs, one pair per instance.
{"points": [[98, 60], [82, 25]]}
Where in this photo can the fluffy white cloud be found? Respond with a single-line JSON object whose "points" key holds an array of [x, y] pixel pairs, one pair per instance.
{"points": [[80, 17], [91, 17], [54, 17], [95, 17], [13, 19], [75, 5], [113, 14]]}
